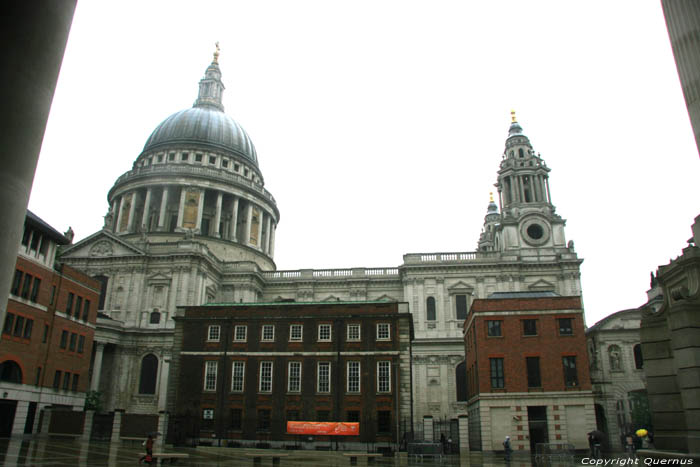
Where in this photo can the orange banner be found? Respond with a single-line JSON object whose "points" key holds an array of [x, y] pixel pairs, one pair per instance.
{"points": [[324, 428]]}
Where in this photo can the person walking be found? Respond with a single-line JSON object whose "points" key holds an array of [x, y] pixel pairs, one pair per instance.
{"points": [[148, 444], [507, 449]]}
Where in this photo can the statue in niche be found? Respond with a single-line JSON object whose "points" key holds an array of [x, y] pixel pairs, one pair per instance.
{"points": [[615, 358]]}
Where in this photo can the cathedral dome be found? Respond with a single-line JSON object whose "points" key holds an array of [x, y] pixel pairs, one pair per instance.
{"points": [[206, 126]]}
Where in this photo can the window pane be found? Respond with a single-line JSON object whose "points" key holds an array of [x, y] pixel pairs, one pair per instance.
{"points": [[240, 333], [430, 308], [265, 376], [294, 377], [497, 377], [565, 327], [353, 332], [238, 376], [461, 301], [493, 328], [236, 419], [384, 376], [383, 331], [295, 332], [529, 327], [383, 421], [210, 370], [16, 282], [570, 375], [28, 329], [533, 372], [149, 374], [324, 377], [214, 332], [353, 376], [35, 289], [9, 322], [324, 332], [268, 332]]}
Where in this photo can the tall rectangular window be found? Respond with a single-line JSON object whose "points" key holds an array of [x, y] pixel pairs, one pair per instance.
{"points": [[323, 415], [493, 328], [66, 381], [353, 376], [214, 333], [533, 372], [268, 333], [565, 327], [52, 297], [529, 327], [64, 339], [86, 310], [240, 333], [383, 421], [263, 419], [294, 381], [26, 286], [296, 332], [16, 282], [324, 377], [81, 344], [74, 386], [383, 332], [461, 303], [236, 419], [57, 379], [35, 289], [497, 376], [69, 303], [28, 329], [324, 332], [210, 370], [38, 376], [237, 376], [353, 332], [19, 326], [73, 341], [45, 337], [384, 376], [78, 306], [570, 374], [265, 376], [9, 322]]}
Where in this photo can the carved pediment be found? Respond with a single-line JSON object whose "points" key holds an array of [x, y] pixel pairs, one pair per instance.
{"points": [[101, 244], [331, 298], [386, 298], [542, 286], [460, 287]]}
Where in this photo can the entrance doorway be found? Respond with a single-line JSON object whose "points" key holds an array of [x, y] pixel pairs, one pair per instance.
{"points": [[7, 417], [537, 416]]}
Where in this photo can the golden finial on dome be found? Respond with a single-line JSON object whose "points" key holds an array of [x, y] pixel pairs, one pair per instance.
{"points": [[512, 116], [216, 54], [491, 196]]}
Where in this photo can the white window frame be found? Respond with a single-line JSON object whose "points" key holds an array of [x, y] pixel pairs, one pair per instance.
{"points": [[384, 380], [294, 381], [318, 377], [292, 337], [262, 333], [238, 377], [352, 378], [330, 332], [211, 369], [388, 331], [359, 333], [245, 333], [265, 378], [214, 333]]}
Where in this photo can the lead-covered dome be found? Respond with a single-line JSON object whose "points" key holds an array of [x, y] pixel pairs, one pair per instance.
{"points": [[205, 124]]}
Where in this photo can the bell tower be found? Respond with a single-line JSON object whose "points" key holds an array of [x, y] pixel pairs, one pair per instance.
{"points": [[528, 218]]}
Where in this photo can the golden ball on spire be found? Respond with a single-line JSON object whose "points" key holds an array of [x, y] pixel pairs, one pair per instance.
{"points": [[491, 196], [512, 116]]}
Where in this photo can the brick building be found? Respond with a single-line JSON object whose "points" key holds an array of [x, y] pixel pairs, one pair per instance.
{"points": [[47, 333], [527, 371], [241, 371]]}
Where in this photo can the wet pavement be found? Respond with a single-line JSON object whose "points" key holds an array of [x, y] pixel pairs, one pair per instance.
{"points": [[78, 453]]}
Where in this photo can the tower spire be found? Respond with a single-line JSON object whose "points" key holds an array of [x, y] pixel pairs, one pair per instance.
{"points": [[211, 89]]}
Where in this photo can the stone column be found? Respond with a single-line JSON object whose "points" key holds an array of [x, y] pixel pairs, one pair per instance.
{"points": [[268, 225], [248, 222], [163, 210], [217, 216], [549, 195], [119, 214], [97, 367], [117, 425], [163, 418], [521, 189], [272, 240], [132, 212], [115, 215], [46, 421], [428, 428], [200, 211], [181, 209], [146, 210], [234, 219], [87, 424], [163, 387], [513, 186], [20, 418], [463, 421]]}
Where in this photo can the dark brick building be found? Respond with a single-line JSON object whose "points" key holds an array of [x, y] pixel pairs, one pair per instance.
{"points": [[241, 371], [47, 334], [527, 371]]}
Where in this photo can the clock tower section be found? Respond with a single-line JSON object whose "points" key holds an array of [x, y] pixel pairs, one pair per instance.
{"points": [[529, 221]]}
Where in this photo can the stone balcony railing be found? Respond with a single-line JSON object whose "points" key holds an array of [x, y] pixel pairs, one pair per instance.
{"points": [[190, 170], [332, 273]]}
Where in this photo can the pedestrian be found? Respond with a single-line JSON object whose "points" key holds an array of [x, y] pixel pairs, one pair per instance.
{"points": [[506, 448], [148, 444]]}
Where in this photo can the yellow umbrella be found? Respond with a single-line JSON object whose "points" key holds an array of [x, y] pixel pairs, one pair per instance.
{"points": [[641, 432]]}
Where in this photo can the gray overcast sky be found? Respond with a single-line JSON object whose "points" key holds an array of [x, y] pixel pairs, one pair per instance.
{"points": [[379, 125]]}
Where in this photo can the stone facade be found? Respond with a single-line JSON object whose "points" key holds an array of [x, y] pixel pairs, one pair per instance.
{"points": [[617, 374], [192, 223]]}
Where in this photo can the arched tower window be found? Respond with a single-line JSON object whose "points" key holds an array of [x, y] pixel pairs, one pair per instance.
{"points": [[615, 356], [430, 307], [149, 374], [461, 381], [155, 317], [10, 372], [521, 153], [638, 358]]}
